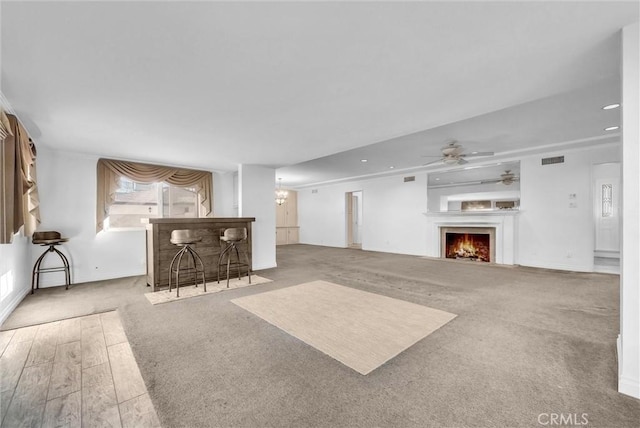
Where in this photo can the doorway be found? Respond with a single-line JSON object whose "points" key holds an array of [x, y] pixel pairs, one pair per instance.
{"points": [[606, 191], [354, 219]]}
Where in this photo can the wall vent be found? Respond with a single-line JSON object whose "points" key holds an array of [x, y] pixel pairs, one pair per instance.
{"points": [[412, 178], [314, 190], [551, 161]]}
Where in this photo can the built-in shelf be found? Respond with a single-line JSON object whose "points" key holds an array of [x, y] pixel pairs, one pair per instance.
{"points": [[471, 213]]}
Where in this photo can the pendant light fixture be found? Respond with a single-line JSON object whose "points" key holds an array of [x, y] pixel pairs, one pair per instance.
{"points": [[281, 195]]}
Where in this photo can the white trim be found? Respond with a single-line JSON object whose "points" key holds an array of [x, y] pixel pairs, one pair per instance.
{"points": [[8, 309], [263, 267], [561, 266], [630, 387]]}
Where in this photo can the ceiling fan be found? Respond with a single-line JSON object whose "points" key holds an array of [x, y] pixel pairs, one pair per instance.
{"points": [[453, 154], [507, 178]]}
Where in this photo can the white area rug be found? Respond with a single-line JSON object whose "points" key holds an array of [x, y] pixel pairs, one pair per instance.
{"points": [[164, 296], [361, 330]]}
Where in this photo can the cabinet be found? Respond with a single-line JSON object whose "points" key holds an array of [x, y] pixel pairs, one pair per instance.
{"points": [[287, 230]]}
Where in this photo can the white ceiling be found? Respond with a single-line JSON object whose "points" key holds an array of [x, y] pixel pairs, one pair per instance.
{"points": [[213, 85]]}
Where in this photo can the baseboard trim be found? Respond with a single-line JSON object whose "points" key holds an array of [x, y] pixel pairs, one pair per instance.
{"points": [[560, 266], [608, 254], [263, 267], [630, 387], [7, 310]]}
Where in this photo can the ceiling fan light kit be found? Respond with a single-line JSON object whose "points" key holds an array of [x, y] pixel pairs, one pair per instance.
{"points": [[453, 154], [508, 178]]}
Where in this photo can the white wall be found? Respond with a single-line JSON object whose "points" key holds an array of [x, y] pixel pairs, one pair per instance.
{"points": [[392, 214], [555, 230], [15, 274], [223, 194], [629, 343], [256, 186], [549, 234], [67, 187]]}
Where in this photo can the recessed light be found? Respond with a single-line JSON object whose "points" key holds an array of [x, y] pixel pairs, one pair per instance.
{"points": [[363, 160], [610, 106], [437, 179], [391, 167], [611, 128]]}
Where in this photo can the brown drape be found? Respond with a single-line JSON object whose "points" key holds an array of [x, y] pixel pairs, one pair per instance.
{"points": [[19, 203], [109, 171]]}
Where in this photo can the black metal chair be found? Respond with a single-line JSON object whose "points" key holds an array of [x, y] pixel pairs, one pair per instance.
{"points": [[185, 239], [49, 239], [230, 238]]}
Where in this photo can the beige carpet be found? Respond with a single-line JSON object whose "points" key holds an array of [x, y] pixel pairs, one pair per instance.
{"points": [[164, 296], [361, 330]]}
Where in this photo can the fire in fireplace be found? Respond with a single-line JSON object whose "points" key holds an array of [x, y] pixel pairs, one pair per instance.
{"points": [[468, 246]]}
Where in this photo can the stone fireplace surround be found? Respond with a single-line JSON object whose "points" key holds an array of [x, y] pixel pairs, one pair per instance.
{"points": [[504, 222]]}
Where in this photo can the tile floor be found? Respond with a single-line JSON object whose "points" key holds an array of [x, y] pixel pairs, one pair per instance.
{"points": [[78, 372]]}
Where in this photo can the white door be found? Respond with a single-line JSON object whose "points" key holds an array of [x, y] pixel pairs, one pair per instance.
{"points": [[354, 218], [607, 208], [357, 217]]}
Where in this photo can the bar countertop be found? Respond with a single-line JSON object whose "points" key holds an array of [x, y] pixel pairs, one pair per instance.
{"points": [[196, 220]]}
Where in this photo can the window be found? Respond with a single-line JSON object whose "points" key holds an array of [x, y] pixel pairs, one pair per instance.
{"points": [[130, 191], [135, 201]]}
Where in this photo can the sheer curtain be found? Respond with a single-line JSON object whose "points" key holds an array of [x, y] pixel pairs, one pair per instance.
{"points": [[19, 203], [109, 171]]}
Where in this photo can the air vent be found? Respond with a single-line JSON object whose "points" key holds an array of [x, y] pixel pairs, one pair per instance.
{"points": [[408, 179], [551, 161], [314, 190]]}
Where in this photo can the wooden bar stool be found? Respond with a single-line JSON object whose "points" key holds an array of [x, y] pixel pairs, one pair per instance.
{"points": [[231, 238], [185, 239], [49, 239]]}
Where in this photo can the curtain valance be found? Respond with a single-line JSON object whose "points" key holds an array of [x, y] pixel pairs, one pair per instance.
{"points": [[109, 172]]}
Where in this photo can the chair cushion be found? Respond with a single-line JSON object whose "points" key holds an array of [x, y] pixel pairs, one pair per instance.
{"points": [[49, 234], [47, 237], [184, 236], [234, 234]]}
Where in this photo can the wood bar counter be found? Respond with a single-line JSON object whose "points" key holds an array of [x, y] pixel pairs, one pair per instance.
{"points": [[160, 250]]}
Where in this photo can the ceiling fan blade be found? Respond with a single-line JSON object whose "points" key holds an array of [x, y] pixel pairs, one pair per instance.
{"points": [[431, 156], [490, 181], [432, 162], [462, 161], [478, 154]]}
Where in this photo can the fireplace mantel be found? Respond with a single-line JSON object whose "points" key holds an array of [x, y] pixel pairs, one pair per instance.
{"points": [[504, 222], [472, 213]]}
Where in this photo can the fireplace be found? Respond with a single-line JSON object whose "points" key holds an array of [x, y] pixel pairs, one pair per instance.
{"points": [[468, 243]]}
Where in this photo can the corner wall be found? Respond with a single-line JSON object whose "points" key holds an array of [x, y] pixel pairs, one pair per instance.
{"points": [[393, 217], [629, 343], [256, 186], [556, 229]]}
